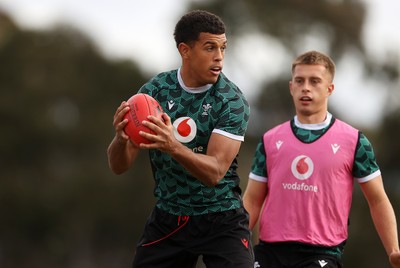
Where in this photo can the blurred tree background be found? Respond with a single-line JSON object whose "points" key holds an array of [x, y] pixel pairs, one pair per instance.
{"points": [[60, 204]]}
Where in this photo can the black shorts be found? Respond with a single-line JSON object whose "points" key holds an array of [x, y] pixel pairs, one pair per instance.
{"points": [[295, 255], [222, 238]]}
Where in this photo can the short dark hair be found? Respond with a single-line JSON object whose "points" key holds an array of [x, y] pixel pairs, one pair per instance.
{"points": [[195, 22]]}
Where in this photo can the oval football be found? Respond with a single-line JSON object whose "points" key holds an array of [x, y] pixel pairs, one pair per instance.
{"points": [[142, 105]]}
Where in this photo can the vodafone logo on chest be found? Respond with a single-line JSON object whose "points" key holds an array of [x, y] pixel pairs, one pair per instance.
{"points": [[184, 129], [302, 167]]}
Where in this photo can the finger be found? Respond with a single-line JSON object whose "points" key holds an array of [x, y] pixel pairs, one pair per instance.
{"points": [[148, 146], [119, 116], [124, 109], [123, 105], [152, 125], [121, 125], [149, 136], [166, 118], [157, 121], [123, 137]]}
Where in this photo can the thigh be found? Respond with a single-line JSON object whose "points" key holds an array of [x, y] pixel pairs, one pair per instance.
{"points": [[158, 246], [325, 261], [228, 245], [292, 255], [155, 257], [265, 258]]}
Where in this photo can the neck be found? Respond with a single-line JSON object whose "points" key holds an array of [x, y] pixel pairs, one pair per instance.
{"points": [[313, 126], [191, 89], [312, 119], [185, 76]]}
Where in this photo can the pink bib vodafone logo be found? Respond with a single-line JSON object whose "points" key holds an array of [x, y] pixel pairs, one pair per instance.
{"points": [[302, 167], [185, 129]]}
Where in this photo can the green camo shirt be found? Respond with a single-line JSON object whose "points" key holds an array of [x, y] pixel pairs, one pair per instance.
{"points": [[196, 114]]}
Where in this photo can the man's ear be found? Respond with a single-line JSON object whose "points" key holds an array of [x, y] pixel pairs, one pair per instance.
{"points": [[184, 50], [330, 88]]}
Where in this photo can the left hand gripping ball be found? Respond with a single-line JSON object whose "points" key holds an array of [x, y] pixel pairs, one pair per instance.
{"points": [[142, 105]]}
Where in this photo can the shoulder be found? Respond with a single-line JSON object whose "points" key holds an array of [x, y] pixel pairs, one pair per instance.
{"points": [[169, 76], [228, 90], [285, 126], [224, 82], [364, 143], [344, 126], [160, 81]]}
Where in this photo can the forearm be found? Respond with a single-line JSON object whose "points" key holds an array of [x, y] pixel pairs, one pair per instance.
{"points": [[253, 210], [253, 200], [203, 167], [121, 155], [208, 168], [385, 223]]}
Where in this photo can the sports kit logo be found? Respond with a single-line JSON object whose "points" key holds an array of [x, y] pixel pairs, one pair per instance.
{"points": [[206, 108], [245, 242], [171, 104], [302, 167], [335, 148], [322, 263], [184, 129], [278, 144]]}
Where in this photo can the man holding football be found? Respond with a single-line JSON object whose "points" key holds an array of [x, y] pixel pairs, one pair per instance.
{"points": [[193, 154]]}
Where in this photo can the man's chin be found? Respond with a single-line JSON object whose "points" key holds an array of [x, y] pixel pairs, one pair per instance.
{"points": [[213, 80]]}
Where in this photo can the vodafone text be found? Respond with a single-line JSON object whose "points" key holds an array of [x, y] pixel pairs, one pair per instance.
{"points": [[300, 187], [198, 149]]}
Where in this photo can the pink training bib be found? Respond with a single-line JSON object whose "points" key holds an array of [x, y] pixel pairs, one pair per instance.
{"points": [[310, 186]]}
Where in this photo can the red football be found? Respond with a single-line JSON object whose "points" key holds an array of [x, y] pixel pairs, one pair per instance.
{"points": [[142, 105]]}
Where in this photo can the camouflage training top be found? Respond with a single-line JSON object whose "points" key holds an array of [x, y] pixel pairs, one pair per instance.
{"points": [[196, 114]]}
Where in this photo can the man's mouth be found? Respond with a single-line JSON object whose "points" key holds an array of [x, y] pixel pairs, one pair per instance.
{"points": [[305, 98], [216, 70]]}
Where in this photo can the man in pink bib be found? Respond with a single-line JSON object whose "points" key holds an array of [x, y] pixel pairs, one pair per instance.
{"points": [[301, 182]]}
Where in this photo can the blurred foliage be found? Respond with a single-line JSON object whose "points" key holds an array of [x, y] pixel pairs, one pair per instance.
{"points": [[338, 25], [291, 20], [61, 206]]}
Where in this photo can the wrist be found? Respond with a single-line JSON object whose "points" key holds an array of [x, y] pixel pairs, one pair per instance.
{"points": [[176, 149]]}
